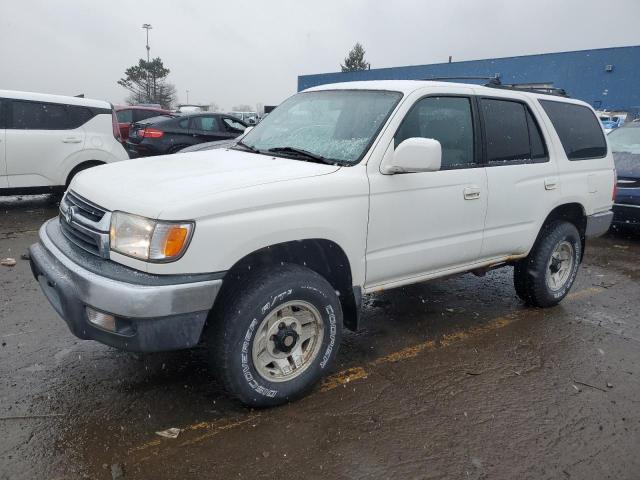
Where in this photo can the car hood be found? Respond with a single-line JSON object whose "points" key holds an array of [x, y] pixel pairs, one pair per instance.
{"points": [[627, 164], [149, 186]]}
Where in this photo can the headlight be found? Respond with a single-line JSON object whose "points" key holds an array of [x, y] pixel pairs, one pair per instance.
{"points": [[148, 239]]}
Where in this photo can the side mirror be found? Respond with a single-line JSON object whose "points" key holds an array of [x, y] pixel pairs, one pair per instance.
{"points": [[415, 155]]}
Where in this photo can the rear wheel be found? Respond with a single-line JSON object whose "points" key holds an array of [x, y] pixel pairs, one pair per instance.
{"points": [[545, 277], [274, 336]]}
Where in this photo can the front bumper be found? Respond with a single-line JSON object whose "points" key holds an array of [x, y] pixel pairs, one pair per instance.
{"points": [[153, 312], [598, 224]]}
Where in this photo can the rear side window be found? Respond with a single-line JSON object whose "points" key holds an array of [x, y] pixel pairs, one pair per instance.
{"points": [[39, 116], [3, 109], [144, 114], [578, 128], [125, 116], [511, 133], [78, 116], [50, 116]]}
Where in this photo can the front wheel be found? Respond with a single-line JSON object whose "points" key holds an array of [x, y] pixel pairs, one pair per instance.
{"points": [[545, 277], [274, 336]]}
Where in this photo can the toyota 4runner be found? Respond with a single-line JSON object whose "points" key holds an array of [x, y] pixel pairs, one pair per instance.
{"points": [[262, 251]]}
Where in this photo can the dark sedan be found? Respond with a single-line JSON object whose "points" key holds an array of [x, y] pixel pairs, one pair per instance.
{"points": [[160, 136], [625, 145]]}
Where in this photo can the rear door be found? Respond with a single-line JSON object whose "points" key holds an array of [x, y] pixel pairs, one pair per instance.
{"points": [[207, 128], [522, 178], [3, 164], [39, 138]]}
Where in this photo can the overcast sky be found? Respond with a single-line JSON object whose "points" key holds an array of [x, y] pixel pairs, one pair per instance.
{"points": [[252, 51]]}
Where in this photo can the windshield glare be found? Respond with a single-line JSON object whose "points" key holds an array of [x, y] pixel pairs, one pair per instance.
{"points": [[338, 125], [626, 139]]}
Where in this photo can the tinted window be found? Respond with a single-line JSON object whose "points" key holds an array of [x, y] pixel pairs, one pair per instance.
{"points": [[125, 116], [39, 116], [3, 105], [578, 128], [538, 147], [78, 116], [209, 124], [507, 131], [184, 123], [446, 119], [144, 114]]}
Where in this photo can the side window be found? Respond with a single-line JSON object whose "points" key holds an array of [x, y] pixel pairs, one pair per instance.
{"points": [[446, 119], [184, 123], [208, 124], [511, 133], [233, 125], [78, 116], [3, 112], [125, 116], [578, 128], [38, 116], [144, 114]]}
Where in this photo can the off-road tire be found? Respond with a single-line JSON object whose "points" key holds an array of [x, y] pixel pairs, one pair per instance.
{"points": [[235, 320], [529, 275]]}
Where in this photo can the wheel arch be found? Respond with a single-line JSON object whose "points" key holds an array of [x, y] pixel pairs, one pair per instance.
{"points": [[81, 166], [323, 256], [573, 212]]}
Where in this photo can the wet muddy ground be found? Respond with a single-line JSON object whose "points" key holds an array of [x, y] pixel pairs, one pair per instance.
{"points": [[449, 379]]}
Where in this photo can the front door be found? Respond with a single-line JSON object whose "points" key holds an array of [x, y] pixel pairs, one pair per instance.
{"points": [[429, 222], [207, 128]]}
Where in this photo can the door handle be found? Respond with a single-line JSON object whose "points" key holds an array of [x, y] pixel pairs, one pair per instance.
{"points": [[72, 140], [551, 183], [471, 193]]}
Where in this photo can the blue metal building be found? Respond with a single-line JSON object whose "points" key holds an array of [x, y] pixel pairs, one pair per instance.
{"points": [[607, 78]]}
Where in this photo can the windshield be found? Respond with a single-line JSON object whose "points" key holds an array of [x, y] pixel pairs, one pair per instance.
{"points": [[625, 140], [334, 125]]}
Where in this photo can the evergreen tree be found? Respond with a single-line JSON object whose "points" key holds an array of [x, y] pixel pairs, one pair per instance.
{"points": [[355, 60]]}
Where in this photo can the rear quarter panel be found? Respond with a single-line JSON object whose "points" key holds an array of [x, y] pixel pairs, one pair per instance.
{"points": [[589, 182]]}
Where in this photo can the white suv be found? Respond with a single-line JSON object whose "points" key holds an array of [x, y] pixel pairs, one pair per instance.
{"points": [[46, 139], [263, 251]]}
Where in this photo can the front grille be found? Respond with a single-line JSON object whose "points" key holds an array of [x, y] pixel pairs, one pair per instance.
{"points": [[86, 208], [85, 224], [628, 182]]}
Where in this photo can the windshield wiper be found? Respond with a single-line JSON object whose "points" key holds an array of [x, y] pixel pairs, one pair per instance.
{"points": [[301, 153], [247, 147]]}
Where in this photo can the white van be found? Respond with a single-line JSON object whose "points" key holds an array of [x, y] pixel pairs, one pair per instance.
{"points": [[46, 139]]}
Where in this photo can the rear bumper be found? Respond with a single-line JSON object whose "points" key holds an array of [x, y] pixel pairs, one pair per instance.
{"points": [[153, 312], [626, 214], [598, 224]]}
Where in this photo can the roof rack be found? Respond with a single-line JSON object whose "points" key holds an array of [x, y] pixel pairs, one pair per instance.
{"points": [[494, 80], [558, 92]]}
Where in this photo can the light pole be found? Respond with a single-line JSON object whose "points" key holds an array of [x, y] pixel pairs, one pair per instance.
{"points": [[147, 27], [187, 96]]}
